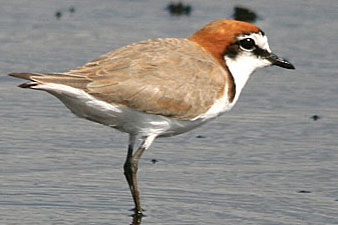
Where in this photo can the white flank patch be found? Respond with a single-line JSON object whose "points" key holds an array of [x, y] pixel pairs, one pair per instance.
{"points": [[78, 101], [220, 106]]}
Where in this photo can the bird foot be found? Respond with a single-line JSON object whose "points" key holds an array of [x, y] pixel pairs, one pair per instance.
{"points": [[137, 213]]}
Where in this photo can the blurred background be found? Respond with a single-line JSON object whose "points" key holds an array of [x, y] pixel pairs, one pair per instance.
{"points": [[272, 160]]}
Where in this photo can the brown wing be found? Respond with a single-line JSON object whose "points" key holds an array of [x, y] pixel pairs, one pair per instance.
{"points": [[171, 77]]}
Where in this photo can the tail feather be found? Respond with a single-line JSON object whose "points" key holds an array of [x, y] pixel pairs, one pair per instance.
{"points": [[27, 84], [26, 76], [40, 78]]}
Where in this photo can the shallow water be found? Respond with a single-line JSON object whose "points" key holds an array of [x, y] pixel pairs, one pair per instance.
{"points": [[265, 162]]}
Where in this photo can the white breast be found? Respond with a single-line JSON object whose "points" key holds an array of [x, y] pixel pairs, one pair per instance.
{"points": [[240, 69]]}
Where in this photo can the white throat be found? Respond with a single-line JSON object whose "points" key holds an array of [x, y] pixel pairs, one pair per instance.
{"points": [[241, 71], [245, 63]]}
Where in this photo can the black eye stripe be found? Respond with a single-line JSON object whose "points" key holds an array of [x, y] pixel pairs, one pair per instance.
{"points": [[233, 50], [261, 52], [246, 44], [249, 44]]}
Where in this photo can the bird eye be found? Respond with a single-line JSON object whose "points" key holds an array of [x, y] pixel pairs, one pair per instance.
{"points": [[247, 44]]}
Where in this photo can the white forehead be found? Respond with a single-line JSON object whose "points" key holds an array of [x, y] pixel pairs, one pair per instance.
{"points": [[260, 40]]}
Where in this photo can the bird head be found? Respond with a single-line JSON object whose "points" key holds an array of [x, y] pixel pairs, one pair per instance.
{"points": [[232, 41]]}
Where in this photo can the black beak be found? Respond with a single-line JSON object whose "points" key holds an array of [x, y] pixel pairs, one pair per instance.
{"points": [[278, 61]]}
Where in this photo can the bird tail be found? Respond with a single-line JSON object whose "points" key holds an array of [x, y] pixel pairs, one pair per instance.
{"points": [[72, 80], [26, 76]]}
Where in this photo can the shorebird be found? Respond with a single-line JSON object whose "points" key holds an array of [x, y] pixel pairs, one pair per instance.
{"points": [[162, 87]]}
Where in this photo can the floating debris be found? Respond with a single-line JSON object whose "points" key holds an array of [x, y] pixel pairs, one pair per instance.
{"points": [[201, 136], [179, 9], [58, 15], [304, 191], [244, 14], [154, 161], [61, 12], [315, 117], [71, 9]]}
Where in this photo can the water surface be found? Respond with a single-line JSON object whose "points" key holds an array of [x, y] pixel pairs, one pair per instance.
{"points": [[265, 162]]}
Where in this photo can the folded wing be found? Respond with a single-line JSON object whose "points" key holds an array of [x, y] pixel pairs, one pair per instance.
{"points": [[170, 77]]}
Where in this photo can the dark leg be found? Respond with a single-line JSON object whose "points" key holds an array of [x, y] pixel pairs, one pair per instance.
{"points": [[127, 169], [127, 166], [130, 171], [131, 167]]}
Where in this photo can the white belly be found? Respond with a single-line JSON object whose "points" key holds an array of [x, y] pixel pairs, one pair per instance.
{"points": [[119, 117]]}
